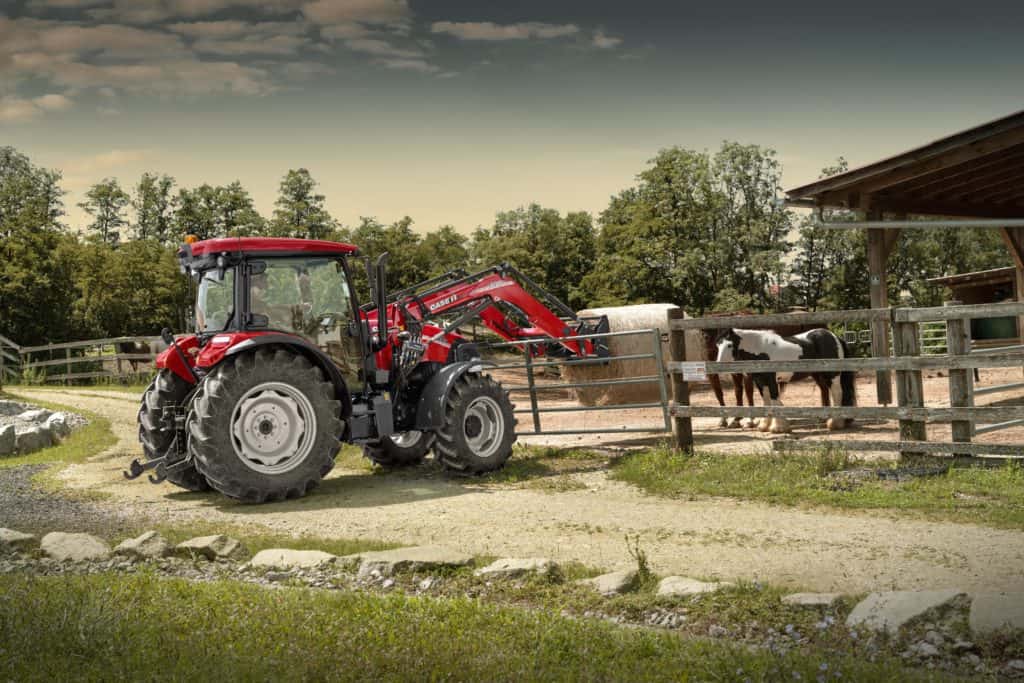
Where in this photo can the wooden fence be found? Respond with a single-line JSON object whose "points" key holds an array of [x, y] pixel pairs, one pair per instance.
{"points": [[82, 360], [907, 364]]}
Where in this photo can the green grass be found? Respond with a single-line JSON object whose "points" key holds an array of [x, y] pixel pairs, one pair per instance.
{"points": [[110, 627], [81, 444], [993, 496]]}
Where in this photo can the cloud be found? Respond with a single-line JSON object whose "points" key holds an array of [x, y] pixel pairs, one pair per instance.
{"points": [[605, 42], [174, 77], [417, 65], [331, 12], [64, 4], [486, 30], [104, 161], [382, 48], [16, 109], [152, 11]]}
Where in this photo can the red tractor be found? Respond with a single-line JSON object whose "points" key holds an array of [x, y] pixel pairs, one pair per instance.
{"points": [[286, 364]]}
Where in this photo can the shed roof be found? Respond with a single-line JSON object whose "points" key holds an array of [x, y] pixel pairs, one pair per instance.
{"points": [[976, 173], [978, 277]]}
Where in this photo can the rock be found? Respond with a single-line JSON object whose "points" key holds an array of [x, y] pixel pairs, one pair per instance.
{"points": [[11, 408], [924, 650], [149, 545], [682, 586], [14, 540], [284, 558], [935, 638], [32, 439], [39, 415], [811, 599], [961, 646], [7, 440], [1014, 667], [614, 583], [212, 547], [993, 611], [58, 425], [891, 611], [716, 631], [509, 568], [74, 547], [387, 562]]}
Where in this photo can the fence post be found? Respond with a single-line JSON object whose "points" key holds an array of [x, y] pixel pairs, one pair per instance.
{"points": [[909, 384], [958, 345], [683, 427]]}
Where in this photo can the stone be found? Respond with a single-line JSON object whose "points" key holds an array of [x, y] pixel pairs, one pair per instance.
{"points": [[615, 583], [387, 562], [1015, 667], [811, 599], [510, 568], [716, 631], [924, 650], [38, 415], [285, 558], [214, 547], [7, 439], [678, 586], [58, 425], [11, 408], [74, 547], [14, 540], [993, 611], [889, 612], [935, 638], [149, 545], [32, 439]]}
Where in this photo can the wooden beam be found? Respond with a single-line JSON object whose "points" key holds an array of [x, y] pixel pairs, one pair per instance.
{"points": [[934, 207], [1014, 240], [1009, 185], [878, 257], [961, 174]]}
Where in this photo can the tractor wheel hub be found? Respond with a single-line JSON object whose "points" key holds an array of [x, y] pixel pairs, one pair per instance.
{"points": [[273, 427]]}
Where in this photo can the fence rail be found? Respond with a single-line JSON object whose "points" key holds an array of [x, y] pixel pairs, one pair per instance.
{"points": [[33, 363], [910, 327]]}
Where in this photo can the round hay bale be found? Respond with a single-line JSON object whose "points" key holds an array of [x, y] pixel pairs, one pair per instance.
{"points": [[622, 319]]}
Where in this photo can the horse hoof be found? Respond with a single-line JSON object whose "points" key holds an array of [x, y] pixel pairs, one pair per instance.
{"points": [[835, 424], [750, 424], [765, 426], [723, 422], [735, 423]]}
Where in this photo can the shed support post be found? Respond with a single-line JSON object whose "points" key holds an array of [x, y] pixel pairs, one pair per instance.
{"points": [[880, 245], [682, 426], [1014, 239]]}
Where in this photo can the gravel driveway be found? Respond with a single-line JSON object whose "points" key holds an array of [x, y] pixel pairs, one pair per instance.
{"points": [[813, 549]]}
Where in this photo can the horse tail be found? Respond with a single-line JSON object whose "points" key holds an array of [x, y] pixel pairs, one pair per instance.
{"points": [[847, 378]]}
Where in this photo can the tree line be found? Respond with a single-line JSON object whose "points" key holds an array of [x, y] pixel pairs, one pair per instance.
{"points": [[700, 229]]}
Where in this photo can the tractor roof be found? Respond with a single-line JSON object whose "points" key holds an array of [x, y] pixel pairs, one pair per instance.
{"points": [[276, 246]]}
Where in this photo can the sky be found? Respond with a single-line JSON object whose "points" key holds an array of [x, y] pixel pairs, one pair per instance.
{"points": [[449, 111]]}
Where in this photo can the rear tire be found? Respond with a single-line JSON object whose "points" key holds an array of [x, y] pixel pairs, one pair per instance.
{"points": [[400, 450], [265, 426], [156, 431], [479, 426]]}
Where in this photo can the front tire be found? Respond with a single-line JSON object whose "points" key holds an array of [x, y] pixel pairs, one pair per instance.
{"points": [[400, 450], [156, 428], [265, 426], [479, 426]]}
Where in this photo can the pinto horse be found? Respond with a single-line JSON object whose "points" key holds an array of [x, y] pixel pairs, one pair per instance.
{"points": [[736, 344], [741, 384]]}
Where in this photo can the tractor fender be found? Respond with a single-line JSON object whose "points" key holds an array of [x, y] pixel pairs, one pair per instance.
{"points": [[430, 415], [315, 356]]}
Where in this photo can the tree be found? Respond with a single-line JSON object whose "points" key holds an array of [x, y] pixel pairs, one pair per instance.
{"points": [[35, 269], [105, 202], [237, 215], [153, 206], [555, 251], [442, 250], [300, 210]]}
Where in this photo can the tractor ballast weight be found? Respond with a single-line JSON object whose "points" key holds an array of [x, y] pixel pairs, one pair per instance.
{"points": [[286, 364]]}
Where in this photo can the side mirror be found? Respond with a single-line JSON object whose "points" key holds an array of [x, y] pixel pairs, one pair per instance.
{"points": [[166, 335]]}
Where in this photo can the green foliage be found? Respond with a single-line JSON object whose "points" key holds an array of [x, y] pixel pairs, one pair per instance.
{"points": [[154, 206], [556, 251], [300, 210], [695, 226], [105, 202], [208, 211]]}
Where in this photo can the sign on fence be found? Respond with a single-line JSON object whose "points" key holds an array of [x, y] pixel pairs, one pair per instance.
{"points": [[694, 371]]}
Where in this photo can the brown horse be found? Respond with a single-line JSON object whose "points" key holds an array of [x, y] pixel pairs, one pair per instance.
{"points": [[743, 384]]}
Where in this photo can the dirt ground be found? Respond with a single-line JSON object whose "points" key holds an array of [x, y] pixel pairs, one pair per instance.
{"points": [[809, 549]]}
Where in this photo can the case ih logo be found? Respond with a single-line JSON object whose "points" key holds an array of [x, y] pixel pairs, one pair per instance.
{"points": [[442, 302]]}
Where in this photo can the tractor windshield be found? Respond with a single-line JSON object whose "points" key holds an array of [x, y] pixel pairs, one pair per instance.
{"points": [[215, 304]]}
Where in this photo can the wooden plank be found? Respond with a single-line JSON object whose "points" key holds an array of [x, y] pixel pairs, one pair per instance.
{"points": [[78, 375], [770, 320], [682, 425], [1014, 240], [7, 342], [878, 257], [958, 343], [1009, 359], [984, 414], [972, 312], [10, 356], [1015, 450], [142, 357], [909, 383], [87, 343]]}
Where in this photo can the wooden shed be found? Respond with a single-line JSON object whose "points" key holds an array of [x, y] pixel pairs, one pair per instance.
{"points": [[986, 287], [974, 178]]}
